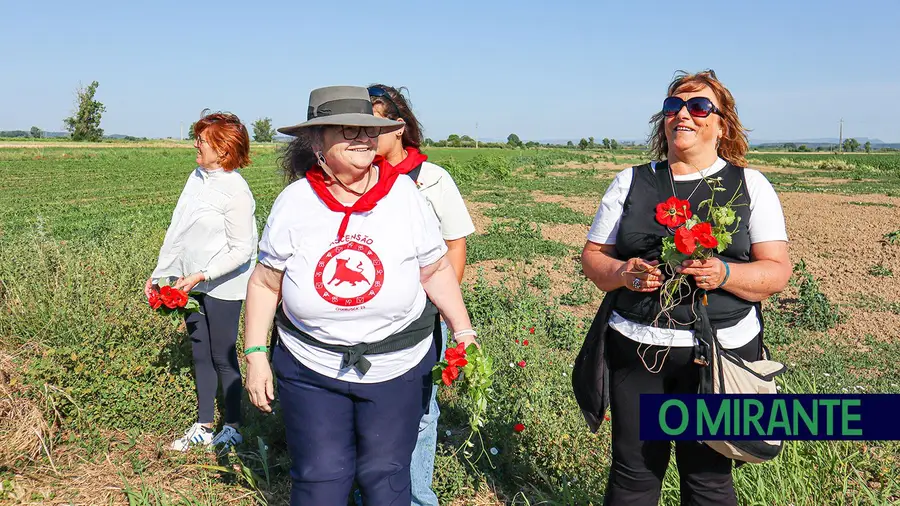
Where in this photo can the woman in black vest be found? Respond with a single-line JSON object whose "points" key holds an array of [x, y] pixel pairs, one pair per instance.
{"points": [[696, 135]]}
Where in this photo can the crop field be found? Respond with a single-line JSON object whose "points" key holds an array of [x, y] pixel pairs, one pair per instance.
{"points": [[94, 386]]}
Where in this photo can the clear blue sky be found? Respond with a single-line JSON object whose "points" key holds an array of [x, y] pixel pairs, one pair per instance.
{"points": [[541, 69]]}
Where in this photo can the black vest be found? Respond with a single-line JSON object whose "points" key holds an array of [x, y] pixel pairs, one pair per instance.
{"points": [[640, 235]]}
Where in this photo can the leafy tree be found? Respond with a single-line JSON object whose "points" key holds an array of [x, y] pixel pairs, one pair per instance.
{"points": [[191, 134], [591, 142], [613, 144], [453, 140], [583, 143], [84, 125], [513, 140], [867, 146], [262, 130], [605, 143], [570, 145], [428, 142], [851, 145], [37, 133]]}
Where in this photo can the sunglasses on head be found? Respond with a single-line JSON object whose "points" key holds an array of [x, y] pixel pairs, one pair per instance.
{"points": [[699, 107], [378, 92], [353, 132]]}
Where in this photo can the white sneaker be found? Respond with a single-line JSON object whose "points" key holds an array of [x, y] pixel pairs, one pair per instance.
{"points": [[198, 434], [229, 436]]}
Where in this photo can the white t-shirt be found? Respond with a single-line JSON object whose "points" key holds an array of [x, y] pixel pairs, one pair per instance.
{"points": [[360, 289], [766, 224], [445, 201]]}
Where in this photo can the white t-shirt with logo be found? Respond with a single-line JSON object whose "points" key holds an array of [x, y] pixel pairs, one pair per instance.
{"points": [[766, 224], [444, 199], [360, 289]]}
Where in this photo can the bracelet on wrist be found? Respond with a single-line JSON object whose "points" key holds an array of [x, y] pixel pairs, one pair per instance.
{"points": [[254, 349], [727, 273], [463, 333]]}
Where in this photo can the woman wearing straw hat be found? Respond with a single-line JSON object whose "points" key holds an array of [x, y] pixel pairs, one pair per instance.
{"points": [[350, 259]]}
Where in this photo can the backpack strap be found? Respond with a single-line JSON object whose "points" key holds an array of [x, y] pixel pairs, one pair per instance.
{"points": [[414, 174]]}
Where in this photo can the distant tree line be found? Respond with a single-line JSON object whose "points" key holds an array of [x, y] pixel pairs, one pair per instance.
{"points": [[849, 145], [513, 141]]}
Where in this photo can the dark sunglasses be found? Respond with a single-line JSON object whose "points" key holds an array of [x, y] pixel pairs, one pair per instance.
{"points": [[353, 132], [699, 107], [377, 92]]}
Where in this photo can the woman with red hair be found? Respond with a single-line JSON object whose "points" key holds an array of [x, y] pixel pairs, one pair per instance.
{"points": [[210, 247]]}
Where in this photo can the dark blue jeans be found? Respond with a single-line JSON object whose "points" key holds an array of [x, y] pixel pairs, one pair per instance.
{"points": [[337, 430], [213, 340]]}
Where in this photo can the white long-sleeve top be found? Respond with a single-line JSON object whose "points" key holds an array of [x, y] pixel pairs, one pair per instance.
{"points": [[213, 230]]}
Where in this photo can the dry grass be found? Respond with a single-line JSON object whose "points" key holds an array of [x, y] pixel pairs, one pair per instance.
{"points": [[25, 434]]}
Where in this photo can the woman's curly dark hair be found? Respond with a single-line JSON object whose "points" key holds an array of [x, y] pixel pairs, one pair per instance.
{"points": [[300, 154]]}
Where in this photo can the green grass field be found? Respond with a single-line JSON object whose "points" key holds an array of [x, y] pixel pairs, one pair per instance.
{"points": [[80, 229]]}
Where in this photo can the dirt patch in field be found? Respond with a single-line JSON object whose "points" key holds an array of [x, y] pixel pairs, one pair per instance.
{"points": [[841, 242], [584, 205], [882, 325], [572, 235], [476, 211]]}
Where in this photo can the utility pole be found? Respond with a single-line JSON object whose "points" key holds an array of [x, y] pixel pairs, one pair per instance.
{"points": [[181, 134], [476, 135], [841, 141]]}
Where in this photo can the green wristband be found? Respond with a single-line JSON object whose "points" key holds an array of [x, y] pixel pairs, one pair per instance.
{"points": [[255, 349], [727, 273]]}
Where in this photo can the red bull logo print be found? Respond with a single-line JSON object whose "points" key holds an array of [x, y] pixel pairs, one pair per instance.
{"points": [[348, 275]]}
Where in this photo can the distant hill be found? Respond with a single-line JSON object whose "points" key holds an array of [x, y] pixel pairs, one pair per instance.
{"points": [[823, 142]]}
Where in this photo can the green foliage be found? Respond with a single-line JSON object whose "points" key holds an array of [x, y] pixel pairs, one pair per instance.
{"points": [[515, 241], [880, 270], [891, 237], [580, 294], [36, 132], [514, 141], [262, 130], [539, 212], [84, 125], [813, 310], [541, 281]]}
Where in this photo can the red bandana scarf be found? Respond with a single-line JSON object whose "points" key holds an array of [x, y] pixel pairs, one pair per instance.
{"points": [[413, 159], [386, 177]]}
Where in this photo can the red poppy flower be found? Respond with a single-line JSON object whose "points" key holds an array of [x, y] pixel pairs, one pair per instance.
{"points": [[154, 300], [685, 242], [673, 212], [168, 297], [517, 341], [456, 356], [518, 427], [521, 363], [449, 374], [606, 417], [703, 233], [525, 342], [531, 330]]}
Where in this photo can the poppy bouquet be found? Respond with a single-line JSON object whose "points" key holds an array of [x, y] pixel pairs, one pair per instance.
{"points": [[171, 301], [474, 370], [692, 238]]}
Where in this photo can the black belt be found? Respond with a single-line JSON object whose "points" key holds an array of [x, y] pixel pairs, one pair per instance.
{"points": [[354, 356]]}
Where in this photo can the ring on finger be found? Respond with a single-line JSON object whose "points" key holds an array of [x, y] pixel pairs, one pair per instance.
{"points": [[636, 283]]}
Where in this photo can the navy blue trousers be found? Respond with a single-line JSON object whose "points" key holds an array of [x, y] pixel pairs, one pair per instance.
{"points": [[213, 345], [337, 431]]}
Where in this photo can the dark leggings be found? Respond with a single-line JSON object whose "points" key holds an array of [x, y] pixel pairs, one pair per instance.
{"points": [[213, 341], [638, 467]]}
